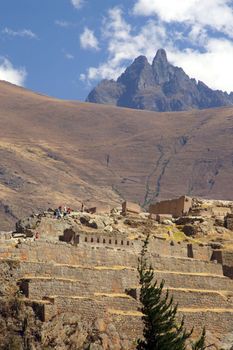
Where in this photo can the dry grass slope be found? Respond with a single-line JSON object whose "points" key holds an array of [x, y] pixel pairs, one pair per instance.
{"points": [[54, 151]]}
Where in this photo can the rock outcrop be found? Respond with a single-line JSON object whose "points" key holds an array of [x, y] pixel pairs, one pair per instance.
{"points": [[157, 87]]}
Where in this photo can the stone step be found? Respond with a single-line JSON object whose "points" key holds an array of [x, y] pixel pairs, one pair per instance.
{"points": [[185, 298], [86, 307], [195, 281], [100, 305], [196, 298], [160, 263], [202, 298], [86, 281], [119, 301], [63, 253], [37, 269], [7, 249], [186, 265], [218, 322], [126, 316]]}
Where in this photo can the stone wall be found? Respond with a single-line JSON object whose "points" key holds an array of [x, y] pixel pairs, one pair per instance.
{"points": [[195, 281], [83, 282], [229, 222], [221, 322], [88, 308], [202, 299], [106, 240], [63, 253], [220, 211], [176, 207], [129, 207], [185, 265], [94, 252], [91, 279], [226, 259], [194, 298]]}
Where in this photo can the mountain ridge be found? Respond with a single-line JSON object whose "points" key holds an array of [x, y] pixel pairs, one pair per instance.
{"points": [[159, 86], [56, 152]]}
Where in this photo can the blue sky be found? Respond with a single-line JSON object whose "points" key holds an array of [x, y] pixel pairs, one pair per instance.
{"points": [[62, 48]]}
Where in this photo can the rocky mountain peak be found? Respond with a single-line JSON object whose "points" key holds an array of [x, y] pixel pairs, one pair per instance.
{"points": [[159, 86], [137, 76], [161, 56], [140, 60], [161, 67]]}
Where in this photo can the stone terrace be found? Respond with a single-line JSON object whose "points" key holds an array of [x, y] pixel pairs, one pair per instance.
{"points": [[97, 277]]}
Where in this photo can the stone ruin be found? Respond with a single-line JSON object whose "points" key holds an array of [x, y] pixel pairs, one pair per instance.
{"points": [[87, 264], [176, 207], [187, 206]]}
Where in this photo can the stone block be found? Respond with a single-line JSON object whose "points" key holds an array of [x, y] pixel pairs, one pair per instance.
{"points": [[163, 217], [191, 298], [98, 209], [130, 207], [220, 211], [218, 322], [185, 220], [195, 281], [190, 230], [68, 235], [229, 222], [203, 212], [176, 207], [153, 217], [219, 221]]}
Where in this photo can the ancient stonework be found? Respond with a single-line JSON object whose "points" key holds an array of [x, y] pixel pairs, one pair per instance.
{"points": [[78, 284]]}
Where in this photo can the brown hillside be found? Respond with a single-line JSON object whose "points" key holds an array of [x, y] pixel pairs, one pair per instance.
{"points": [[55, 152]]}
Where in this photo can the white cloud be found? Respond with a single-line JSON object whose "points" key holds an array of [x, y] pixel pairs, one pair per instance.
{"points": [[77, 3], [217, 14], [123, 46], [11, 74], [24, 33], [207, 66], [63, 24], [88, 40], [69, 56], [205, 55]]}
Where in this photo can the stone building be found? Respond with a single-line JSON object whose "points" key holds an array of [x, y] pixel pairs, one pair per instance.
{"points": [[176, 207]]}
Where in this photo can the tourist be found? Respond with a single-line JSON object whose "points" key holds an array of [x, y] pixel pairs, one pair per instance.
{"points": [[65, 212], [58, 213]]}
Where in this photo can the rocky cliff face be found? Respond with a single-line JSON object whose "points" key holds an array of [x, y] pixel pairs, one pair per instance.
{"points": [[157, 87]]}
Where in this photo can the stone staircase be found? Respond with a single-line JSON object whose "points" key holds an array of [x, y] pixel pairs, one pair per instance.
{"points": [[102, 282]]}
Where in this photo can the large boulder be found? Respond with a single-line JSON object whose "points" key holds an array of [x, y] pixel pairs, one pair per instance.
{"points": [[27, 224], [190, 230]]}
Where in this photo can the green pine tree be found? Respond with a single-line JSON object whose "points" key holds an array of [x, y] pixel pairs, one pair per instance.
{"points": [[200, 343], [161, 331]]}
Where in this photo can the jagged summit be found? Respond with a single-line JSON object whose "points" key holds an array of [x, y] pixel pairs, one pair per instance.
{"points": [[161, 55], [159, 86]]}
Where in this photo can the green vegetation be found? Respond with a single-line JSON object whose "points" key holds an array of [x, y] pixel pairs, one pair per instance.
{"points": [[161, 331], [200, 343]]}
